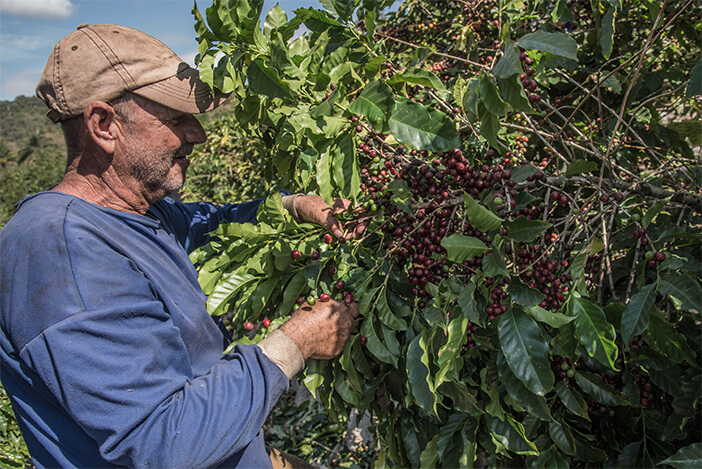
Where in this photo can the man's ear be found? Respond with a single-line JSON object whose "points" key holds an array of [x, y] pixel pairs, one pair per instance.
{"points": [[100, 121]]}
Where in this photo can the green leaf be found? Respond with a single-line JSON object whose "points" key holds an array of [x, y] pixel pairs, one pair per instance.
{"points": [[694, 86], [572, 400], [314, 375], [636, 314], [324, 175], [684, 406], [276, 18], [509, 64], [291, 292], [342, 8], [513, 93], [494, 265], [509, 435], [479, 216], [491, 98], [519, 393], [689, 457], [523, 294], [430, 454], [562, 436], [350, 171], [375, 103], [654, 211], [401, 196], [684, 288], [374, 345], [555, 43], [264, 80], [449, 355], [386, 315], [594, 333], [489, 125], [526, 351], [460, 247], [423, 128], [467, 303], [671, 343], [204, 34], [417, 76], [227, 288], [595, 386], [418, 376], [522, 230], [607, 32], [463, 400], [370, 20], [580, 166], [206, 66], [469, 99], [542, 315]]}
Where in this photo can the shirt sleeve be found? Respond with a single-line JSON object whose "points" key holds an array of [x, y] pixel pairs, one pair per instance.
{"points": [[192, 222]]}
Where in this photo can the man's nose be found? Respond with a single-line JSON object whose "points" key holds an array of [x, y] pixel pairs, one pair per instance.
{"points": [[194, 133]]}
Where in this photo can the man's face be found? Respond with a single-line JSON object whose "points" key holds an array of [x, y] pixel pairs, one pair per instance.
{"points": [[155, 146]]}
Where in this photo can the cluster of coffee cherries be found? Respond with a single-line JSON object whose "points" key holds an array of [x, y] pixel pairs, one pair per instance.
{"points": [[339, 285], [470, 342], [527, 79], [544, 274], [452, 171], [565, 368], [642, 384]]}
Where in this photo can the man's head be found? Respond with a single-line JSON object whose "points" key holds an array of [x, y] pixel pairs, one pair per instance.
{"points": [[103, 62], [125, 102]]}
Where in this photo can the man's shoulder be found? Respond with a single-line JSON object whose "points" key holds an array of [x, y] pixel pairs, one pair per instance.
{"points": [[37, 216]]}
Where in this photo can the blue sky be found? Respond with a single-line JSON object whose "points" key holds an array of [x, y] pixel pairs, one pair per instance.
{"points": [[29, 29]]}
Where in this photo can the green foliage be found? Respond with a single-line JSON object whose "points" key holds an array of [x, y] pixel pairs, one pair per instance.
{"points": [[529, 280], [36, 167], [228, 167], [306, 431]]}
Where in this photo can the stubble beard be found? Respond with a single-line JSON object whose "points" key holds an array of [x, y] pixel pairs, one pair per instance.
{"points": [[155, 170]]}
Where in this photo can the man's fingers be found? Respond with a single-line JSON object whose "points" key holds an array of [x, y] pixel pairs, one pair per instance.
{"points": [[353, 309], [334, 226], [359, 230], [340, 205]]}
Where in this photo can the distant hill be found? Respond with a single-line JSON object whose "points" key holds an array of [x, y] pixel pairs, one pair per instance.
{"points": [[24, 117]]}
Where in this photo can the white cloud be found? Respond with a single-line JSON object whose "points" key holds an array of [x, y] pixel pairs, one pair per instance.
{"points": [[37, 8]]}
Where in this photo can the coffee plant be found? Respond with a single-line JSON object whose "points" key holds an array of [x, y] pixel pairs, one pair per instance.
{"points": [[529, 175]]}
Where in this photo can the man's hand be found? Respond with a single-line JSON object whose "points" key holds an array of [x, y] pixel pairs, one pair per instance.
{"points": [[313, 209], [322, 330]]}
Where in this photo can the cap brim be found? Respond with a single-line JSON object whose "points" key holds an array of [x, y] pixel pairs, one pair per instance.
{"points": [[183, 92]]}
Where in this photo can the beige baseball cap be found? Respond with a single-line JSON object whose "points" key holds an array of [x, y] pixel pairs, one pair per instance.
{"points": [[103, 61]]}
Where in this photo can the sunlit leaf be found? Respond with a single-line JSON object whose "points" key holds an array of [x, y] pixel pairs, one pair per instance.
{"points": [[423, 128]]}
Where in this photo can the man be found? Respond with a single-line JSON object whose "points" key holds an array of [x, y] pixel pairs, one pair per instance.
{"points": [[107, 351]]}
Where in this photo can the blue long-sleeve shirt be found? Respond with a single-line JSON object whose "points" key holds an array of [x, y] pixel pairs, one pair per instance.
{"points": [[107, 350]]}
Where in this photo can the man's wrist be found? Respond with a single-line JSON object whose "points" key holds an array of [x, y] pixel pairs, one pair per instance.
{"points": [[281, 350], [289, 205]]}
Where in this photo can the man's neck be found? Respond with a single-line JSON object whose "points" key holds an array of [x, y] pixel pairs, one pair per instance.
{"points": [[101, 191]]}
